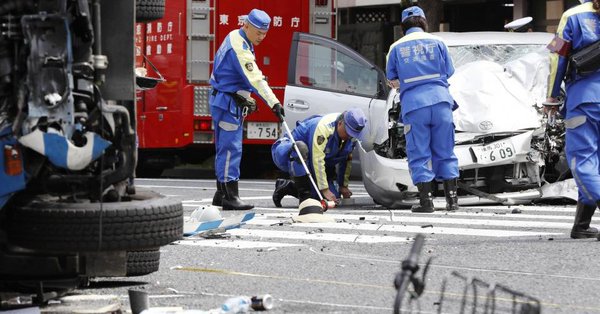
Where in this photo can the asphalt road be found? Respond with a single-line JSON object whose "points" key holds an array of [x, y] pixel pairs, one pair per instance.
{"points": [[350, 266]]}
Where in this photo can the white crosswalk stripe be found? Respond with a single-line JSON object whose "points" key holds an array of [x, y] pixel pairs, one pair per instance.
{"points": [[273, 228]]}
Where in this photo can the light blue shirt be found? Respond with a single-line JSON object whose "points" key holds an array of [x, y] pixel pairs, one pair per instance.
{"points": [[422, 65]]}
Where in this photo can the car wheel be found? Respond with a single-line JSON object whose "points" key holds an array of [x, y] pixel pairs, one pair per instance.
{"points": [[149, 10], [141, 263], [148, 221]]}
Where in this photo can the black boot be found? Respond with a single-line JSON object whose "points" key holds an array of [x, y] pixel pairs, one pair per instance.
{"points": [[304, 188], [583, 217], [231, 198], [450, 187], [218, 197], [283, 187], [425, 199]]}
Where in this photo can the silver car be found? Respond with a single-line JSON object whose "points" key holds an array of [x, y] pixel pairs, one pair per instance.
{"points": [[507, 150]]}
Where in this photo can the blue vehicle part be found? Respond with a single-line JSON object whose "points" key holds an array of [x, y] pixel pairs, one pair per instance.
{"points": [[61, 152]]}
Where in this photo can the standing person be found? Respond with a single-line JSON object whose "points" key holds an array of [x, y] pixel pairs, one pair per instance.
{"points": [[326, 143], [419, 65], [578, 28], [235, 75]]}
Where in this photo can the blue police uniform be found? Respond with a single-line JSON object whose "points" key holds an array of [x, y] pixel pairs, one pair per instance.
{"points": [[421, 64], [580, 26], [234, 70], [326, 151]]}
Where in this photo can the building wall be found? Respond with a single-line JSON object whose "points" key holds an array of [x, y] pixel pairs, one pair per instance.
{"points": [[371, 26], [554, 10], [490, 15], [546, 14]]}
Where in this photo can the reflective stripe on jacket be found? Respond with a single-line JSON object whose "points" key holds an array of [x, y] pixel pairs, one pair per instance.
{"points": [[235, 69], [422, 65], [326, 148]]}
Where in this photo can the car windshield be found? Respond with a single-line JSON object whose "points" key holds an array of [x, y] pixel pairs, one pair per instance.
{"points": [[501, 54]]}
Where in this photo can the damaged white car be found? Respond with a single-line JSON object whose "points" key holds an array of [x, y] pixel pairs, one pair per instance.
{"points": [[508, 152]]}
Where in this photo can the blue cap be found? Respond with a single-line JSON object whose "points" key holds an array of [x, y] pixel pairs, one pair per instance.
{"points": [[355, 121], [412, 11], [259, 19]]}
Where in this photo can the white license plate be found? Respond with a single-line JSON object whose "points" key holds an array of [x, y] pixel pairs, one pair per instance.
{"points": [[262, 130], [494, 152]]}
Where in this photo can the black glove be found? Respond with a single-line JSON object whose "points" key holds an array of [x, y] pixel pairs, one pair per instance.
{"points": [[278, 111]]}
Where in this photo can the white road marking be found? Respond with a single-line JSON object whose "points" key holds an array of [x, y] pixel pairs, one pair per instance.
{"points": [[526, 208], [450, 221], [302, 235], [237, 244], [471, 210], [407, 229], [212, 181], [400, 214], [464, 211], [269, 197], [376, 215], [178, 187]]}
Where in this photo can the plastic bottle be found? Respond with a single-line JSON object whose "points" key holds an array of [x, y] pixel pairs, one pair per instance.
{"points": [[236, 305]]}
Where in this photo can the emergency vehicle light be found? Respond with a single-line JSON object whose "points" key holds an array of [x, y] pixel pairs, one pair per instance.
{"points": [[201, 125], [321, 2]]}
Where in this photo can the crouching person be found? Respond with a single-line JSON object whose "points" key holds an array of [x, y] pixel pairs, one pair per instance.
{"points": [[325, 144]]}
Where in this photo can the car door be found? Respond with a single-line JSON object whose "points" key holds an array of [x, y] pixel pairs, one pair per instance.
{"points": [[325, 76]]}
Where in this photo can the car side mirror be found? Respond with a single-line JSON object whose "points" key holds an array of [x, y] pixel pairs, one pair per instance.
{"points": [[382, 89], [145, 82]]}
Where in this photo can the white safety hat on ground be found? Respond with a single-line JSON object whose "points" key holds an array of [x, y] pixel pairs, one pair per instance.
{"points": [[311, 211], [206, 213], [199, 215]]}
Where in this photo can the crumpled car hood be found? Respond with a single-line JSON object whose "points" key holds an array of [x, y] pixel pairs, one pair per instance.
{"points": [[495, 98]]}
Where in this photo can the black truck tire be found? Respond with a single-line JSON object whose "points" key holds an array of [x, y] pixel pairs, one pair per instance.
{"points": [[149, 221], [149, 10], [140, 263]]}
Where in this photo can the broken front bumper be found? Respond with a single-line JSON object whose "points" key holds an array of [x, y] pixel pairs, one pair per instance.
{"points": [[389, 183]]}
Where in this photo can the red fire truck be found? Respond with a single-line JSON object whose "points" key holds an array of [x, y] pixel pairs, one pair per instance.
{"points": [[174, 122]]}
